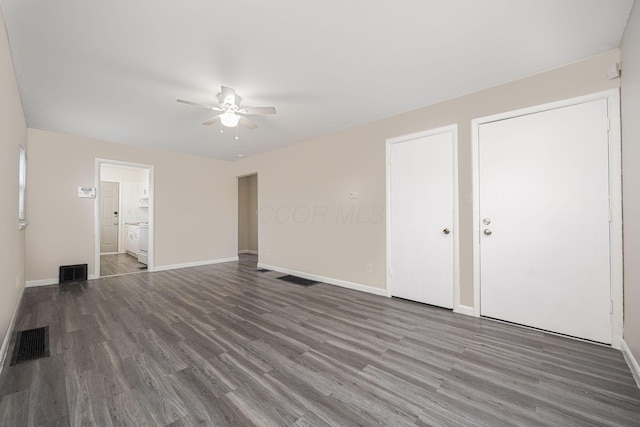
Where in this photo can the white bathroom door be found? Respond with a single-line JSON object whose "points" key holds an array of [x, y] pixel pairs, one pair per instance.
{"points": [[422, 219], [544, 220]]}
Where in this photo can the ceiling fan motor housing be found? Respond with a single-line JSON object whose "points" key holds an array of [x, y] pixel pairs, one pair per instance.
{"points": [[229, 102]]}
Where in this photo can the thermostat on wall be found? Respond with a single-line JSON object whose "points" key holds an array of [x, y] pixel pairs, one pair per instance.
{"points": [[87, 192]]}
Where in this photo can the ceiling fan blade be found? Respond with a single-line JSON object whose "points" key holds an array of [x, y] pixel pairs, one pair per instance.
{"points": [[247, 123], [212, 120], [228, 96], [257, 110], [197, 104]]}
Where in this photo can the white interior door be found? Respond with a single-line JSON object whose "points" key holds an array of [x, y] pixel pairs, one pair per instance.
{"points": [[422, 219], [544, 220], [109, 216]]}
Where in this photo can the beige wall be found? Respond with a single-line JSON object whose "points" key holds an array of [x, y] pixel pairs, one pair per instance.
{"points": [[13, 133], [631, 173], [243, 214], [247, 219], [304, 204], [252, 218], [195, 203]]}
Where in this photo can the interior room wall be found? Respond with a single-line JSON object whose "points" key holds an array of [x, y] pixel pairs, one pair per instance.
{"points": [[13, 133], [252, 217], [309, 224], [195, 203], [130, 183], [243, 214], [630, 62], [247, 218]]}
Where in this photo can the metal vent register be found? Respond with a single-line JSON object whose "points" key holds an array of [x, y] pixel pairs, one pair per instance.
{"points": [[31, 344]]}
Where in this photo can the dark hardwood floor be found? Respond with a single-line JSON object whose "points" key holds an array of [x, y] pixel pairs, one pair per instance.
{"points": [[113, 264], [227, 345]]}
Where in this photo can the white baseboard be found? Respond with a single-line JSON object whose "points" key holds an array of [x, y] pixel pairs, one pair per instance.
{"points": [[464, 309], [631, 361], [336, 282], [195, 264], [248, 251], [41, 282], [52, 281], [7, 338]]}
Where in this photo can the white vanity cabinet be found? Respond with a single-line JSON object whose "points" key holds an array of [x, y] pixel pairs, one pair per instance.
{"points": [[133, 246]]}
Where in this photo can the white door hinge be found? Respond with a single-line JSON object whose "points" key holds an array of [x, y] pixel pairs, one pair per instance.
{"points": [[610, 306], [610, 215], [390, 272]]}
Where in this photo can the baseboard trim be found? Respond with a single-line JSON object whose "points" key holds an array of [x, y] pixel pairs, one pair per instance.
{"points": [[336, 282], [52, 281], [464, 309], [7, 338], [194, 264], [631, 361], [41, 282], [248, 251]]}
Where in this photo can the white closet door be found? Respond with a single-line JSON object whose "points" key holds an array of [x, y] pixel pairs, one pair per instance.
{"points": [[421, 219], [544, 220]]}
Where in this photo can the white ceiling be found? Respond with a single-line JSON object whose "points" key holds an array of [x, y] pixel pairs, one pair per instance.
{"points": [[113, 69]]}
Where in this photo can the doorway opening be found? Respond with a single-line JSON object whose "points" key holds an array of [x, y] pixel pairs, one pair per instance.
{"points": [[248, 218], [123, 218]]}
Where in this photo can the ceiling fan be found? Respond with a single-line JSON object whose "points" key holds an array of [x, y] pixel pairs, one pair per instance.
{"points": [[229, 112]]}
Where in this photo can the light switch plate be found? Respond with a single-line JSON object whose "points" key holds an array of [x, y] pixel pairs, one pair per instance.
{"points": [[353, 195]]}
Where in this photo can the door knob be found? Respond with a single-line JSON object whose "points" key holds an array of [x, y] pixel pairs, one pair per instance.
{"points": [[446, 231], [486, 221], [487, 232]]}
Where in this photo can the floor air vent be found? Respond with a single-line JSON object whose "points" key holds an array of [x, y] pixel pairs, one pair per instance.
{"points": [[297, 280], [30, 345], [73, 273]]}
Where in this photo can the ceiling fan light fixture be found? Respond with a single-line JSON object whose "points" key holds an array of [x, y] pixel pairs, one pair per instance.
{"points": [[229, 119]]}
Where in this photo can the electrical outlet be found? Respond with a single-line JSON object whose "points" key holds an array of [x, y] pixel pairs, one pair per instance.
{"points": [[369, 268], [18, 280]]}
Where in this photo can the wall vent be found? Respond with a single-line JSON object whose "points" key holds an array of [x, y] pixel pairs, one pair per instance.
{"points": [[73, 273]]}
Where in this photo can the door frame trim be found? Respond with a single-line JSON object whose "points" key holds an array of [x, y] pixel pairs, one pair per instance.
{"points": [[615, 197], [96, 210], [456, 219]]}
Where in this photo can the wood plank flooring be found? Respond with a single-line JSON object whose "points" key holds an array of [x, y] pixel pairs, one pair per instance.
{"points": [[227, 345], [112, 264]]}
